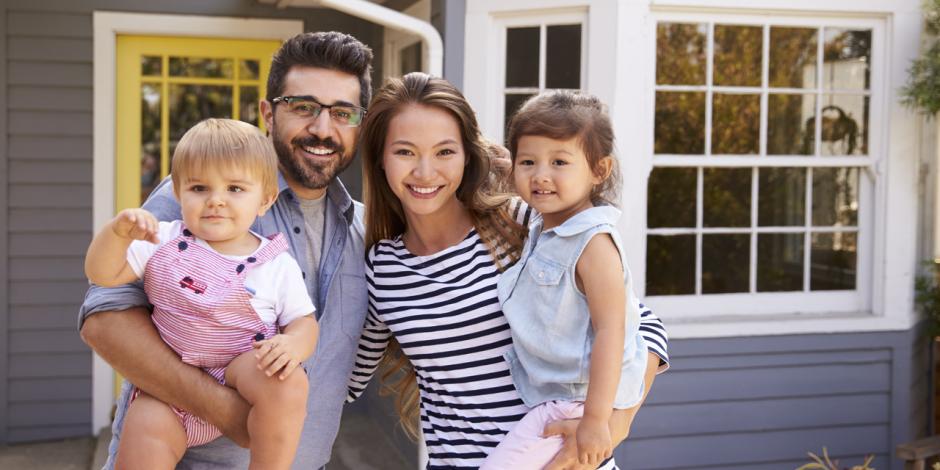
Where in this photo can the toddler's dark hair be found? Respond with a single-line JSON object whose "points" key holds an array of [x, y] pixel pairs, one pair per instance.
{"points": [[563, 114]]}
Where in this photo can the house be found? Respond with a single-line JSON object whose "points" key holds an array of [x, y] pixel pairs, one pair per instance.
{"points": [[778, 200]]}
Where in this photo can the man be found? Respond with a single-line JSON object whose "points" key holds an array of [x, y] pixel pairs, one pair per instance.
{"points": [[317, 88]]}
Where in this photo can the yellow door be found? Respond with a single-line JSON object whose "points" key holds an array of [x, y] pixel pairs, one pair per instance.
{"points": [[165, 85]]}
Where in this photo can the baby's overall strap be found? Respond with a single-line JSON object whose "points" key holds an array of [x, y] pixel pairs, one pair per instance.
{"points": [[276, 245]]}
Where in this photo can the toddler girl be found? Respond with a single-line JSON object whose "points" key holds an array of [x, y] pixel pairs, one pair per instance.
{"points": [[569, 299], [221, 294]]}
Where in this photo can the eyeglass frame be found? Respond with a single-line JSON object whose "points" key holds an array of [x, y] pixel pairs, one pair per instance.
{"points": [[287, 99]]}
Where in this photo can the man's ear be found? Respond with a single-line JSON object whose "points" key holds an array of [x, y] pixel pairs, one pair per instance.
{"points": [[267, 113], [604, 168]]}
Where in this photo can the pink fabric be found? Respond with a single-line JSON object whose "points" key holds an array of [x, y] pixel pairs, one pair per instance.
{"points": [[203, 311], [524, 448]]}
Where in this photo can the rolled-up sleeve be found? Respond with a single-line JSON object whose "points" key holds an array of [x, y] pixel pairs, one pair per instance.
{"points": [[108, 299]]}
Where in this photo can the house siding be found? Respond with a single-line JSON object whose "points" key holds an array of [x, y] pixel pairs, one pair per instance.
{"points": [[46, 195], [764, 402]]}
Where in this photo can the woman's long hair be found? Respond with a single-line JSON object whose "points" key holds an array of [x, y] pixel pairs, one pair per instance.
{"points": [[477, 192]]}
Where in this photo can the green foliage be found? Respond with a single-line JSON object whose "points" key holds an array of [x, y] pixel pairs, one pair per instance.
{"points": [[825, 463], [927, 288], [922, 90]]}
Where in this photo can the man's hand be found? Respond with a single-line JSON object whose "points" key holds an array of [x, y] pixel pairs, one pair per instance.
{"points": [[136, 224]]}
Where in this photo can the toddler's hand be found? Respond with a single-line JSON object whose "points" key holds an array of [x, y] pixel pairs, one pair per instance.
{"points": [[136, 224], [279, 353], [594, 443]]}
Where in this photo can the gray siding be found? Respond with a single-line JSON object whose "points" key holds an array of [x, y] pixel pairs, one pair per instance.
{"points": [[764, 402], [4, 222], [46, 196]]}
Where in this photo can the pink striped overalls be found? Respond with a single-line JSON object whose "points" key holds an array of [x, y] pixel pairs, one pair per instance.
{"points": [[203, 311]]}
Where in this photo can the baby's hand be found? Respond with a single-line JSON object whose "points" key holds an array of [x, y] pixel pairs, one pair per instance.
{"points": [[136, 224], [594, 444], [279, 353]]}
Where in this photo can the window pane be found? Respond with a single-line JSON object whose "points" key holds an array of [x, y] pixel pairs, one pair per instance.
{"points": [[781, 197], [200, 67], [792, 57], [736, 124], [779, 262], [680, 53], [248, 104], [150, 139], [725, 263], [832, 261], [670, 262], [522, 57], [190, 104], [727, 197], [844, 125], [563, 56], [151, 65], [680, 123], [738, 51], [671, 197], [248, 69], [846, 58], [790, 123], [512, 103], [835, 197]]}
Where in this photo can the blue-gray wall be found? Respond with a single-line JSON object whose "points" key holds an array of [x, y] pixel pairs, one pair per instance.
{"points": [[762, 402], [46, 196]]}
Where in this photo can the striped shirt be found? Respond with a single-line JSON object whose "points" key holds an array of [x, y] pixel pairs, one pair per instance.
{"points": [[444, 311]]}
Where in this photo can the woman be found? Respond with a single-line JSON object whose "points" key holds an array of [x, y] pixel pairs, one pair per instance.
{"points": [[439, 236]]}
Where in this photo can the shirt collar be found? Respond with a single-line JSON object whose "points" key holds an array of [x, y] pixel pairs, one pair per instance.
{"points": [[336, 193], [586, 220]]}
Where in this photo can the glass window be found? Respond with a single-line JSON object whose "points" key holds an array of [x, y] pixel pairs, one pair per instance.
{"points": [[751, 191]]}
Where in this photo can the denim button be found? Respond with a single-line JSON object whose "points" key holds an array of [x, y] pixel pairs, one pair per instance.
{"points": [[296, 229]]}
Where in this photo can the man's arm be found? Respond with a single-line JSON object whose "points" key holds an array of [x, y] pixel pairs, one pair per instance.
{"points": [[129, 342]]}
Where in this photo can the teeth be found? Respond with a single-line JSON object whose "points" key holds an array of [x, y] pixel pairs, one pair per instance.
{"points": [[543, 192], [421, 190], [318, 150]]}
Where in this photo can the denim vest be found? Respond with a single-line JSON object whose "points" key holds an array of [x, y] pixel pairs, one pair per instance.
{"points": [[550, 320]]}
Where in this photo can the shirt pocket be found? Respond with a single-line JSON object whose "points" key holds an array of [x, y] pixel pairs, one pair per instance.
{"points": [[545, 272], [545, 297]]}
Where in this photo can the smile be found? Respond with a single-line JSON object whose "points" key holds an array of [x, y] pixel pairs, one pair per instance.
{"points": [[319, 151], [543, 192], [424, 191]]}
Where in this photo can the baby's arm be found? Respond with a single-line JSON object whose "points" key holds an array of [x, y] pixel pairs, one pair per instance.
{"points": [[106, 261], [286, 351], [602, 283]]}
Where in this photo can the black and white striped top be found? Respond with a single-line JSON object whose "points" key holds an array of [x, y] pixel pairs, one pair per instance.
{"points": [[443, 310]]}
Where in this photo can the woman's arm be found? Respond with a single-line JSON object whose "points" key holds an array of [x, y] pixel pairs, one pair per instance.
{"points": [[372, 346]]}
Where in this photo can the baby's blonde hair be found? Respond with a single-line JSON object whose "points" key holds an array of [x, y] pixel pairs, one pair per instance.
{"points": [[225, 143]]}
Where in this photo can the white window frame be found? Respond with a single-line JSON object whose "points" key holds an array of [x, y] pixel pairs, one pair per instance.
{"points": [[757, 305]]}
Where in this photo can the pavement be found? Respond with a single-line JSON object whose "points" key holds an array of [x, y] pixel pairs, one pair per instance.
{"points": [[361, 445]]}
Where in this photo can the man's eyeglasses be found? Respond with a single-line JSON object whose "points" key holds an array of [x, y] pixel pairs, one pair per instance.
{"points": [[307, 107]]}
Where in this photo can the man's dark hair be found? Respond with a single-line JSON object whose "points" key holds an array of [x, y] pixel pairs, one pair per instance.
{"points": [[329, 50]]}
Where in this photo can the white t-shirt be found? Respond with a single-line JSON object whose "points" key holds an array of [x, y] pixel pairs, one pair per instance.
{"points": [[277, 289]]}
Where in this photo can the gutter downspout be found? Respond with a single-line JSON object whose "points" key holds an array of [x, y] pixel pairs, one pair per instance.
{"points": [[386, 17]]}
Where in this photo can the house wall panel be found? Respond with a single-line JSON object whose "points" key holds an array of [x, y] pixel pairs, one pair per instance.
{"points": [[43, 317], [52, 389], [51, 147], [50, 220], [30, 46], [43, 197], [46, 341], [71, 123], [53, 99], [4, 245], [50, 413], [46, 433], [48, 269], [49, 244], [51, 73], [51, 365], [49, 25]]}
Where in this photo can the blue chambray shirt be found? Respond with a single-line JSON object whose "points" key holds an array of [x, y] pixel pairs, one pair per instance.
{"points": [[341, 310]]}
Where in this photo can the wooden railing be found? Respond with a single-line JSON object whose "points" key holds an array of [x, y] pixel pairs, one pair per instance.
{"points": [[915, 454]]}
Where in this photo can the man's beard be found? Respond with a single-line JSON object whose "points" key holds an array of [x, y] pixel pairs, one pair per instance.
{"points": [[308, 172]]}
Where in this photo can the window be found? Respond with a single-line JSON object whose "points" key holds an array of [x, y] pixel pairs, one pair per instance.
{"points": [[760, 196], [541, 53]]}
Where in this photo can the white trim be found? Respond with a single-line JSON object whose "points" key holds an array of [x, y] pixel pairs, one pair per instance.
{"points": [[107, 25], [396, 40]]}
